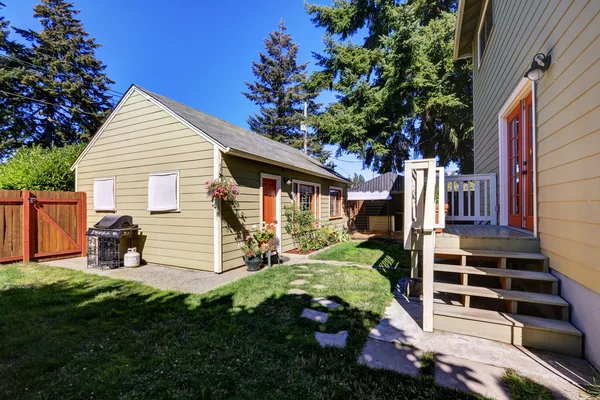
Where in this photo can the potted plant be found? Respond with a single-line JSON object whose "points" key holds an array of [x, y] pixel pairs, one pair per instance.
{"points": [[222, 188], [265, 233], [252, 253]]}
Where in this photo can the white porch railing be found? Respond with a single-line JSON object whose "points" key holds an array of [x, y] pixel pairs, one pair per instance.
{"points": [[420, 178], [472, 198]]}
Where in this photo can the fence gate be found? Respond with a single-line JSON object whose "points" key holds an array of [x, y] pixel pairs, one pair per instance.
{"points": [[41, 225]]}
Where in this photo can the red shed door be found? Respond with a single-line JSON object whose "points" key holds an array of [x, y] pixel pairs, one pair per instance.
{"points": [[269, 188]]}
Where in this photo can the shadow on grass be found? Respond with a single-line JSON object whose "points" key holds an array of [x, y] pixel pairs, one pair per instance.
{"points": [[105, 338]]}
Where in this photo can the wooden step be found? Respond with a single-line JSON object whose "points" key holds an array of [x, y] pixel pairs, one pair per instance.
{"points": [[490, 254], [502, 294], [501, 272], [520, 330]]}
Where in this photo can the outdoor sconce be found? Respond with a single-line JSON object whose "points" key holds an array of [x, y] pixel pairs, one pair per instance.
{"points": [[287, 180], [540, 64]]}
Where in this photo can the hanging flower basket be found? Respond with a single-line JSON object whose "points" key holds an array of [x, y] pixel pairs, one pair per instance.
{"points": [[222, 188]]}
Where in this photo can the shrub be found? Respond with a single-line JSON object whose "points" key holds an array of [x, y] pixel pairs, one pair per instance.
{"points": [[37, 168], [302, 226]]}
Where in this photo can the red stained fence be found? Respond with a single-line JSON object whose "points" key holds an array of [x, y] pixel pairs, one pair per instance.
{"points": [[38, 225]]}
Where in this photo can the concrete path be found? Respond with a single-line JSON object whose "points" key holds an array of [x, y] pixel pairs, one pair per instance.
{"points": [[160, 276], [468, 362]]}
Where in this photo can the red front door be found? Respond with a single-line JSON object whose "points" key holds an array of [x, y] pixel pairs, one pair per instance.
{"points": [[269, 187], [520, 165]]}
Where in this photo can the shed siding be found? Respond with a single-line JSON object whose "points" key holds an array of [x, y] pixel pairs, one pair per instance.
{"points": [[568, 134], [246, 173], [141, 139]]}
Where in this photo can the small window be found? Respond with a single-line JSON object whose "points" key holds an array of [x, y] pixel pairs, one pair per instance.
{"points": [[104, 194], [335, 202], [307, 197], [485, 30], [163, 191]]}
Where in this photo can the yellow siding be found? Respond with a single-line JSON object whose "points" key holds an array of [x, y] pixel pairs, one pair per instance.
{"points": [[568, 111], [246, 173], [142, 139]]}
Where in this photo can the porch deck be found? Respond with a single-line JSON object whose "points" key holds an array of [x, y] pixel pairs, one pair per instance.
{"points": [[485, 231], [487, 237]]}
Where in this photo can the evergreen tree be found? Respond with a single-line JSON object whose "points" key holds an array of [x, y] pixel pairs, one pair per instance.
{"points": [[65, 78], [357, 180], [280, 92], [11, 105], [400, 91]]}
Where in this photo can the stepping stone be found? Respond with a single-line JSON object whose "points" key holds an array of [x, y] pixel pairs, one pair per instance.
{"points": [[305, 275], [332, 339], [296, 291], [325, 302], [302, 266], [298, 282], [314, 315], [393, 356], [319, 287]]}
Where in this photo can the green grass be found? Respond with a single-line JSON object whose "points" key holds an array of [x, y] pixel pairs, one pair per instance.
{"points": [[594, 389], [427, 364], [525, 389], [376, 252], [70, 335]]}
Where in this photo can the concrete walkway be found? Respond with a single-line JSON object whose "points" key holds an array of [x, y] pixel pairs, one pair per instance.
{"points": [[466, 362], [160, 276]]}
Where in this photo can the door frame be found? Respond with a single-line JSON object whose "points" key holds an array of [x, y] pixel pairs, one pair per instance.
{"points": [[277, 180], [523, 88]]}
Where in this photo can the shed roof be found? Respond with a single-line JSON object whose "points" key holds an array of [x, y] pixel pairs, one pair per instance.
{"points": [[235, 140], [379, 188], [467, 20]]}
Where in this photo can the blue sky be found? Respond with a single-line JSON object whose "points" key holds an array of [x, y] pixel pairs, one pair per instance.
{"points": [[196, 52]]}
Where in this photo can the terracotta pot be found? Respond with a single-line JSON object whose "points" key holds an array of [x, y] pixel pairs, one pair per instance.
{"points": [[437, 216]]}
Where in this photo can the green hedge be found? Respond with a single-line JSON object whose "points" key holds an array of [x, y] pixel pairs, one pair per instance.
{"points": [[37, 168]]}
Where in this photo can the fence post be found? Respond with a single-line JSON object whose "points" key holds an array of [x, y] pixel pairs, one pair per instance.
{"points": [[27, 225], [82, 222], [493, 200]]}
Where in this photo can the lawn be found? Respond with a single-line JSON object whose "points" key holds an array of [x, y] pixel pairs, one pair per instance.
{"points": [[383, 253], [67, 334]]}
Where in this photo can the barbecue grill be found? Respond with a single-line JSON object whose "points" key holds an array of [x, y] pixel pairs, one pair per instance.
{"points": [[107, 241]]}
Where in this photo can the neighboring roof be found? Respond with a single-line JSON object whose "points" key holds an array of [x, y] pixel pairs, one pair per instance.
{"points": [[467, 19], [379, 188], [234, 140]]}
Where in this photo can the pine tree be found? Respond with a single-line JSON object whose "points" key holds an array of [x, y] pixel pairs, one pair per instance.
{"points": [[399, 92], [66, 79], [280, 92], [357, 180]]}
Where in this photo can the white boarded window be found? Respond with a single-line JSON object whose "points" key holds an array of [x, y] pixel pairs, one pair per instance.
{"points": [[163, 191], [104, 194]]}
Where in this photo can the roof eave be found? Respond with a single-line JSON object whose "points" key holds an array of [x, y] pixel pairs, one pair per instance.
{"points": [[251, 156]]}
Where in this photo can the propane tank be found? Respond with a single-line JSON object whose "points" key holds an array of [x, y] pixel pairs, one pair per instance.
{"points": [[131, 258]]}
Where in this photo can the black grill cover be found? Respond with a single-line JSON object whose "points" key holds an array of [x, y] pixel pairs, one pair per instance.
{"points": [[114, 222]]}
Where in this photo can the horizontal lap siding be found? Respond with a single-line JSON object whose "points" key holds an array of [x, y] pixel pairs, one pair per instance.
{"points": [[246, 173], [142, 139], [568, 111]]}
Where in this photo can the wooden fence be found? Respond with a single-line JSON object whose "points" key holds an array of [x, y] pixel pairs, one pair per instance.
{"points": [[41, 225]]}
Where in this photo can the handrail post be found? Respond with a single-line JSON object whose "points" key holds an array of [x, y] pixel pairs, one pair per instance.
{"points": [[493, 200]]}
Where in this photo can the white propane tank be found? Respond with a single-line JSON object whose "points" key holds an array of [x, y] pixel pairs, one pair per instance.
{"points": [[131, 258]]}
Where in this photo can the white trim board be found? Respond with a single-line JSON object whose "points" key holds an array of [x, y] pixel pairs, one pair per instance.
{"points": [[217, 224], [520, 92], [277, 179]]}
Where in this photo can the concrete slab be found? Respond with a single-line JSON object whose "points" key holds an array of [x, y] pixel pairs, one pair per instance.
{"points": [[298, 282], [318, 287], [160, 276], [296, 291], [470, 376], [393, 356], [314, 315], [563, 375], [325, 302], [332, 339]]}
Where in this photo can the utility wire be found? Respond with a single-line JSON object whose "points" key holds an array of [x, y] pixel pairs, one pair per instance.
{"points": [[46, 102]]}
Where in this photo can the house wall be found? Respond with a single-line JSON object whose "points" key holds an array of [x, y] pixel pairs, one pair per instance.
{"points": [[246, 173], [568, 135], [141, 139]]}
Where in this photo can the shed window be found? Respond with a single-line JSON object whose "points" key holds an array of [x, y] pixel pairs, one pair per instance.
{"points": [[485, 30], [104, 194], [335, 202], [163, 191], [307, 197]]}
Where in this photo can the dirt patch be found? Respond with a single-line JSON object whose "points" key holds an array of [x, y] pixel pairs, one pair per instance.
{"points": [[296, 251]]}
